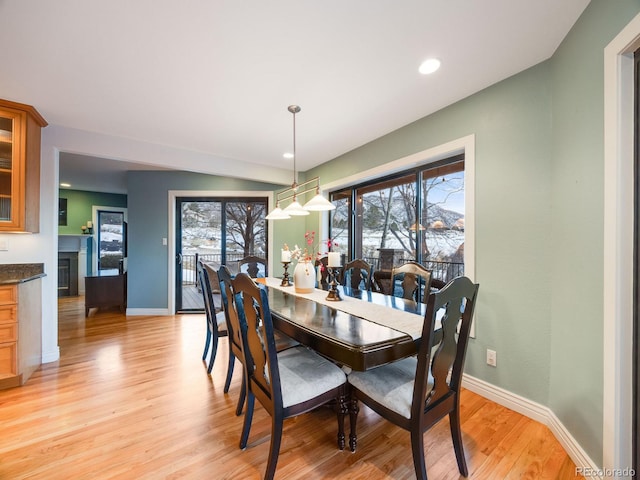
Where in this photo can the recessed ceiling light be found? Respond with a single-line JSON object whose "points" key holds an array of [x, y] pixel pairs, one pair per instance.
{"points": [[288, 155], [65, 185], [429, 66]]}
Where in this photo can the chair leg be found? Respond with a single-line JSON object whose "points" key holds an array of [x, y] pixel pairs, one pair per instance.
{"points": [[274, 448], [456, 436], [353, 419], [417, 448], [206, 345], [232, 362], [341, 409], [214, 350], [248, 417], [243, 394]]}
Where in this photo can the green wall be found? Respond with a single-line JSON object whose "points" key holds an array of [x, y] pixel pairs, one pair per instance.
{"points": [[577, 194], [511, 123], [539, 220], [80, 207], [80, 210]]}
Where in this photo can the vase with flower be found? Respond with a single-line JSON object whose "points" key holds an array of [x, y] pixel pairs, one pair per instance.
{"points": [[304, 274]]}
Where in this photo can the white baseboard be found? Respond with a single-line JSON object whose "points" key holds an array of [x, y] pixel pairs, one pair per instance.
{"points": [[51, 355], [147, 311], [539, 413]]}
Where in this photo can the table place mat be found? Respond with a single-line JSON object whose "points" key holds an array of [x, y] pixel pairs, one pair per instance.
{"points": [[406, 322]]}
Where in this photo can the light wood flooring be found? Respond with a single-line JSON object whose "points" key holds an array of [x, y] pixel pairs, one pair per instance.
{"points": [[130, 399]]}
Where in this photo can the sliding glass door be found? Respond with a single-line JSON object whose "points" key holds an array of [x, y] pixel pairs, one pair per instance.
{"points": [[219, 231]]}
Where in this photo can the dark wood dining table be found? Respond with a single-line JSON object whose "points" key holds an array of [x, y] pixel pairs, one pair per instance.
{"points": [[355, 341]]}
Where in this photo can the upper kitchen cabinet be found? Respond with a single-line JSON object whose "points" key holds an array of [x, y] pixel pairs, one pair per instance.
{"points": [[20, 127]]}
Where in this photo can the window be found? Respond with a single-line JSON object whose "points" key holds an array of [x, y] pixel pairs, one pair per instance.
{"points": [[376, 220]]}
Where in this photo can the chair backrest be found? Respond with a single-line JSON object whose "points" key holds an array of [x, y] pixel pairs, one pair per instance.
{"points": [[415, 281], [258, 341], [322, 266], [442, 351], [254, 266], [357, 275], [207, 296], [381, 281], [230, 311]]}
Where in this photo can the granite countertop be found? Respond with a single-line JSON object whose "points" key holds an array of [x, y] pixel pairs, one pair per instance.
{"points": [[11, 273]]}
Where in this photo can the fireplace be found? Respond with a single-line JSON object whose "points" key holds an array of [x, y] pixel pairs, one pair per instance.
{"points": [[72, 263], [67, 274]]}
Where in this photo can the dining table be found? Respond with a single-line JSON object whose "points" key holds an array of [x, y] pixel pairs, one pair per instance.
{"points": [[361, 331]]}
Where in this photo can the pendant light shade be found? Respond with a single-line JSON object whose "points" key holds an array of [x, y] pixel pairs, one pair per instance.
{"points": [[318, 204], [277, 214], [295, 209]]}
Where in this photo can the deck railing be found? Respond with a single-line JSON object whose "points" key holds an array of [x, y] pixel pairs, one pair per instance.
{"points": [[440, 270], [444, 271], [189, 262]]}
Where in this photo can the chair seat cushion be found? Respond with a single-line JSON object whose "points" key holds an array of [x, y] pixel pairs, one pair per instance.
{"points": [[221, 321], [390, 385], [304, 375]]}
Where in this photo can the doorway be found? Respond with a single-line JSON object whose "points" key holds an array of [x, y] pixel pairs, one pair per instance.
{"points": [[218, 231], [109, 251]]}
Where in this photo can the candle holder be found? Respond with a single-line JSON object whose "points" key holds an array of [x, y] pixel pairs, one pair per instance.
{"points": [[285, 277], [334, 294]]}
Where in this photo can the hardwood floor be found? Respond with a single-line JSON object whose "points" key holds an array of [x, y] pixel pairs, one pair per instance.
{"points": [[130, 399]]}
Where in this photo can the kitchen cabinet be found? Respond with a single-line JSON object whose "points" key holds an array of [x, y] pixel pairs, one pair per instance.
{"points": [[20, 130], [20, 332]]}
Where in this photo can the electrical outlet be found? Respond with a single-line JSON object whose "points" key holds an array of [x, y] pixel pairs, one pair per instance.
{"points": [[4, 244], [491, 357]]}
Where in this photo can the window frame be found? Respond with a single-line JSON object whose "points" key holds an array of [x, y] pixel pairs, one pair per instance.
{"points": [[417, 174]]}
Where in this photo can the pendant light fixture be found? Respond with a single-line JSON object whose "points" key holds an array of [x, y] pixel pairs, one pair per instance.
{"points": [[317, 203]]}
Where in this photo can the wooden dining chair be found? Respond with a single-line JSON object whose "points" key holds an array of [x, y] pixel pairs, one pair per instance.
{"points": [[357, 274], [235, 340], [415, 281], [216, 322], [254, 266], [381, 282], [233, 328], [287, 383], [418, 391]]}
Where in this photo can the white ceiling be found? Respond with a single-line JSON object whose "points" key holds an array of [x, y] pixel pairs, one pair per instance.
{"points": [[217, 76]]}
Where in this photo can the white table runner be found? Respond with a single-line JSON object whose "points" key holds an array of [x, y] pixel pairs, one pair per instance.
{"points": [[406, 322]]}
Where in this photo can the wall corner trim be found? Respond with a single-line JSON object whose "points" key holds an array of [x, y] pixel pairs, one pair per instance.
{"points": [[537, 412]]}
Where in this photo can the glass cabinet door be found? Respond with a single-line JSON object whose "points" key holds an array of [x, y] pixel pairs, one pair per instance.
{"points": [[6, 164]]}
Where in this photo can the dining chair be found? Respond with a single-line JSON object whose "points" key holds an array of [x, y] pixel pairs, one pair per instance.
{"points": [[235, 340], [416, 392], [233, 327], [357, 274], [380, 282], [253, 265], [216, 322], [287, 383], [415, 281]]}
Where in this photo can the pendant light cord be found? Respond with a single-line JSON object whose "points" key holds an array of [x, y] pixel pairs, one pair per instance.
{"points": [[294, 109]]}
